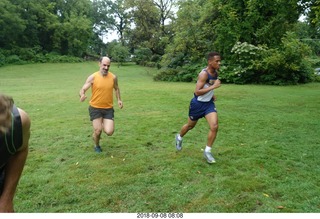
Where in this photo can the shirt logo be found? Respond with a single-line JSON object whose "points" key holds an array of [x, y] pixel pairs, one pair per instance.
{"points": [[211, 81]]}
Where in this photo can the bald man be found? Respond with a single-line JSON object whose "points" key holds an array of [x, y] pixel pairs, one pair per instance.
{"points": [[101, 112], [14, 141]]}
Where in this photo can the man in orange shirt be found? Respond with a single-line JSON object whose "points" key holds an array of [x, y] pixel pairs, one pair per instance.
{"points": [[101, 112]]}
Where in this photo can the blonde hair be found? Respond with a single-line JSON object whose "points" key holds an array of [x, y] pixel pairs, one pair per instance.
{"points": [[6, 104]]}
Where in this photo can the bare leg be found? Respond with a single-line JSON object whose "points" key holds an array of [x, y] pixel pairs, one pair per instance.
{"points": [[187, 127], [212, 119], [108, 126], [97, 129]]}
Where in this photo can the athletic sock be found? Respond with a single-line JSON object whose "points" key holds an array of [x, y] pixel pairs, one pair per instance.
{"points": [[179, 137], [208, 149]]}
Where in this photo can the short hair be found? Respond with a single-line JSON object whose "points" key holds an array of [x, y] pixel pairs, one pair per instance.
{"points": [[212, 54], [6, 104]]}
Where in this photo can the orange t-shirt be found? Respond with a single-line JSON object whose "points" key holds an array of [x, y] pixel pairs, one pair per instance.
{"points": [[102, 90]]}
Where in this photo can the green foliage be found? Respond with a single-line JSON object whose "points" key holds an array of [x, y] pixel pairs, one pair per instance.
{"points": [[33, 55], [14, 59], [258, 64], [288, 64], [187, 73], [244, 63], [119, 53], [2, 59], [56, 58], [142, 56], [167, 75], [11, 23], [203, 26]]}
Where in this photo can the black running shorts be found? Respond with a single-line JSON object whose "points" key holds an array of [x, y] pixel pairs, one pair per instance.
{"points": [[96, 113]]}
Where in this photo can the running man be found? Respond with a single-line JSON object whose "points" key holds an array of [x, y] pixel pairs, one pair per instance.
{"points": [[202, 104], [101, 111]]}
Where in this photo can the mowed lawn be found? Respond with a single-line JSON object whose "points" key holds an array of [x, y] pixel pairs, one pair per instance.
{"points": [[267, 149]]}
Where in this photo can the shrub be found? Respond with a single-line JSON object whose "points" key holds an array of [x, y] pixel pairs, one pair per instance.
{"points": [[287, 64], [119, 53], [14, 59], [168, 74], [2, 59], [27, 54], [284, 65], [56, 58], [142, 56]]}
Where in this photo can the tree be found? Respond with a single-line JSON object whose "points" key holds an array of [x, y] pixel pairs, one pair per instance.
{"points": [[103, 19], [202, 26], [165, 8], [73, 33], [12, 25], [118, 53], [122, 18]]}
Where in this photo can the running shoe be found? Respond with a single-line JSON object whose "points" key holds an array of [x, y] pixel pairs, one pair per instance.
{"points": [[97, 149], [208, 156], [178, 143]]}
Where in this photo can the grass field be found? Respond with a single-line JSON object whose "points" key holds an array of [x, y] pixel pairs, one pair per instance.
{"points": [[267, 149]]}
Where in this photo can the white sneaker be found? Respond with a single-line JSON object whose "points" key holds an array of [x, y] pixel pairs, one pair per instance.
{"points": [[178, 143], [208, 156]]}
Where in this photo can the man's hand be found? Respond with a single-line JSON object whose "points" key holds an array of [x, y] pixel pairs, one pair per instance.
{"points": [[83, 97], [217, 83], [120, 104]]}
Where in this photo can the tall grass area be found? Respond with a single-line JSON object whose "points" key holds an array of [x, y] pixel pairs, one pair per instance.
{"points": [[267, 148]]}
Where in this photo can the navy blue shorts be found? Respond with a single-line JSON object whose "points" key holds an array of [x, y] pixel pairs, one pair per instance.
{"points": [[198, 109]]}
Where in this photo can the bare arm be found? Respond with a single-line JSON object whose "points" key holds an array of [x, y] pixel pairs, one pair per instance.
{"points": [[200, 90], [14, 167], [117, 90], [85, 87]]}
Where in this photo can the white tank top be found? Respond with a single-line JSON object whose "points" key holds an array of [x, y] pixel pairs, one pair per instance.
{"points": [[207, 96]]}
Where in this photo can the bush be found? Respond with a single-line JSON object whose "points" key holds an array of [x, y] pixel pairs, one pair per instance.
{"points": [[142, 56], [27, 54], [14, 59], [33, 55], [56, 58], [186, 73], [2, 59], [119, 53], [168, 74], [285, 65]]}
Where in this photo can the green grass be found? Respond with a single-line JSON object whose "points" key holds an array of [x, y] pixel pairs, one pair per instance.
{"points": [[267, 149]]}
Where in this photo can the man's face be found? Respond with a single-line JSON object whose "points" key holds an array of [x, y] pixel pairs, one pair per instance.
{"points": [[215, 62], [104, 66]]}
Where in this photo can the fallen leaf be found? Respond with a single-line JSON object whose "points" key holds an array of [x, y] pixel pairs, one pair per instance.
{"points": [[266, 195], [280, 207]]}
